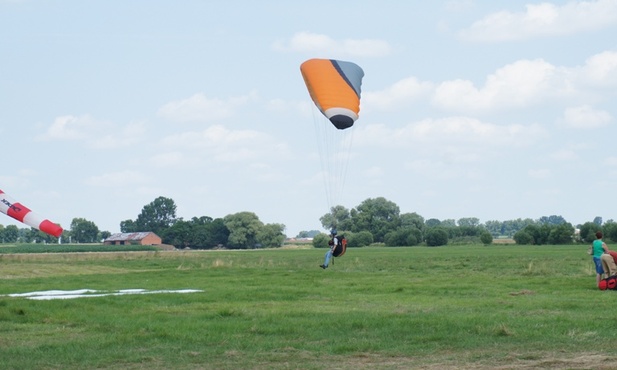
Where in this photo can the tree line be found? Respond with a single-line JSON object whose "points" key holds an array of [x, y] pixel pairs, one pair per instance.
{"points": [[378, 220], [242, 230], [375, 220]]}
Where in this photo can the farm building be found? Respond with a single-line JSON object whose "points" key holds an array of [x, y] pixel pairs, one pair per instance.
{"points": [[142, 238]]}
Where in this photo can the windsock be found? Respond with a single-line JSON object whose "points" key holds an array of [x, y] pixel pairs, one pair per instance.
{"points": [[21, 213]]}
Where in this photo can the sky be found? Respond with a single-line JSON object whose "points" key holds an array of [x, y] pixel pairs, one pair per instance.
{"points": [[490, 109]]}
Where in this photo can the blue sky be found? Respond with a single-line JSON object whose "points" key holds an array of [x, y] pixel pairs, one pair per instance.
{"points": [[490, 109]]}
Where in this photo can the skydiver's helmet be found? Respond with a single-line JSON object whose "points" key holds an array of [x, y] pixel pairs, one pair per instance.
{"points": [[333, 232]]}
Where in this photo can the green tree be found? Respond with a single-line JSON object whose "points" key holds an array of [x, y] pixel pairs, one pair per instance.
{"points": [[180, 235], [468, 222], [198, 233], [359, 239], [432, 222], [522, 237], [128, 226], [412, 220], [104, 235], [271, 235], [447, 223], [321, 241], [219, 233], [307, 234], [84, 231], [486, 238], [338, 218], [610, 230], [408, 236], [539, 233], [157, 216], [10, 234], [436, 236], [243, 229], [395, 238], [588, 231], [561, 234], [511, 227], [378, 216], [552, 220], [494, 227]]}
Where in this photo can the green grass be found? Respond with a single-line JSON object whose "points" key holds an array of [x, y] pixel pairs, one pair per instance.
{"points": [[71, 248], [387, 308]]}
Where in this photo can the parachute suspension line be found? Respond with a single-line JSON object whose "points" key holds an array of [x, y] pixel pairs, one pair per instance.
{"points": [[334, 153], [345, 145], [322, 150], [335, 88]]}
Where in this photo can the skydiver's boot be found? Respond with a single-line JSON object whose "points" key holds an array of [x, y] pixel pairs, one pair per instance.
{"points": [[323, 266]]}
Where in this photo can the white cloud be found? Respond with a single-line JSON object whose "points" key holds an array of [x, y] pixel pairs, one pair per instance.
{"points": [[441, 169], [518, 84], [222, 144], [585, 116], [129, 135], [71, 127], [200, 108], [521, 84], [117, 179], [448, 130], [314, 43], [600, 70], [401, 92], [93, 133], [544, 19], [171, 159], [305, 107]]}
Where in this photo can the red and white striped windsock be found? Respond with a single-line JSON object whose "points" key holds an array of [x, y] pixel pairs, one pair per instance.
{"points": [[21, 213]]}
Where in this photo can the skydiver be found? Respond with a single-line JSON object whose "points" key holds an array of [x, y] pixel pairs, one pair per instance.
{"points": [[333, 242]]}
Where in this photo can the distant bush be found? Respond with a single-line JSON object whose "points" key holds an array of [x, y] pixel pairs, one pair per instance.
{"points": [[361, 239], [321, 241], [523, 238], [403, 237], [486, 238], [436, 236]]}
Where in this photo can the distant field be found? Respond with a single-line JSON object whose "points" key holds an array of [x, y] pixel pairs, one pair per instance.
{"points": [[503, 241], [463, 307]]}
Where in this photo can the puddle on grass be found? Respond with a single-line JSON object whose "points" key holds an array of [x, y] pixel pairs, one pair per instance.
{"points": [[86, 293]]}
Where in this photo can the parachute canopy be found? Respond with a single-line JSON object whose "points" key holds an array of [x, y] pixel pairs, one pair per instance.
{"points": [[335, 87], [21, 213]]}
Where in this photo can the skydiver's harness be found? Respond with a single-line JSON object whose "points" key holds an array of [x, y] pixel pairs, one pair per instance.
{"points": [[340, 248]]}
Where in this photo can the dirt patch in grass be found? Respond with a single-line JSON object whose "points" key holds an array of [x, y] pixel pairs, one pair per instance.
{"points": [[523, 292], [550, 361]]}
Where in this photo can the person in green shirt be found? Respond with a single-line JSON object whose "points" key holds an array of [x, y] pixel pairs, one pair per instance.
{"points": [[598, 248]]}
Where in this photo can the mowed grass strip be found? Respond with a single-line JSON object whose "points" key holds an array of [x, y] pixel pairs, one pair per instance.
{"points": [[395, 308]]}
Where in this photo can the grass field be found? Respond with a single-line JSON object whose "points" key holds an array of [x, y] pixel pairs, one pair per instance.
{"points": [[464, 307]]}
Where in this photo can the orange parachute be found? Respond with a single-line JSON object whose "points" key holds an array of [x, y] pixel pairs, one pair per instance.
{"points": [[335, 88]]}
